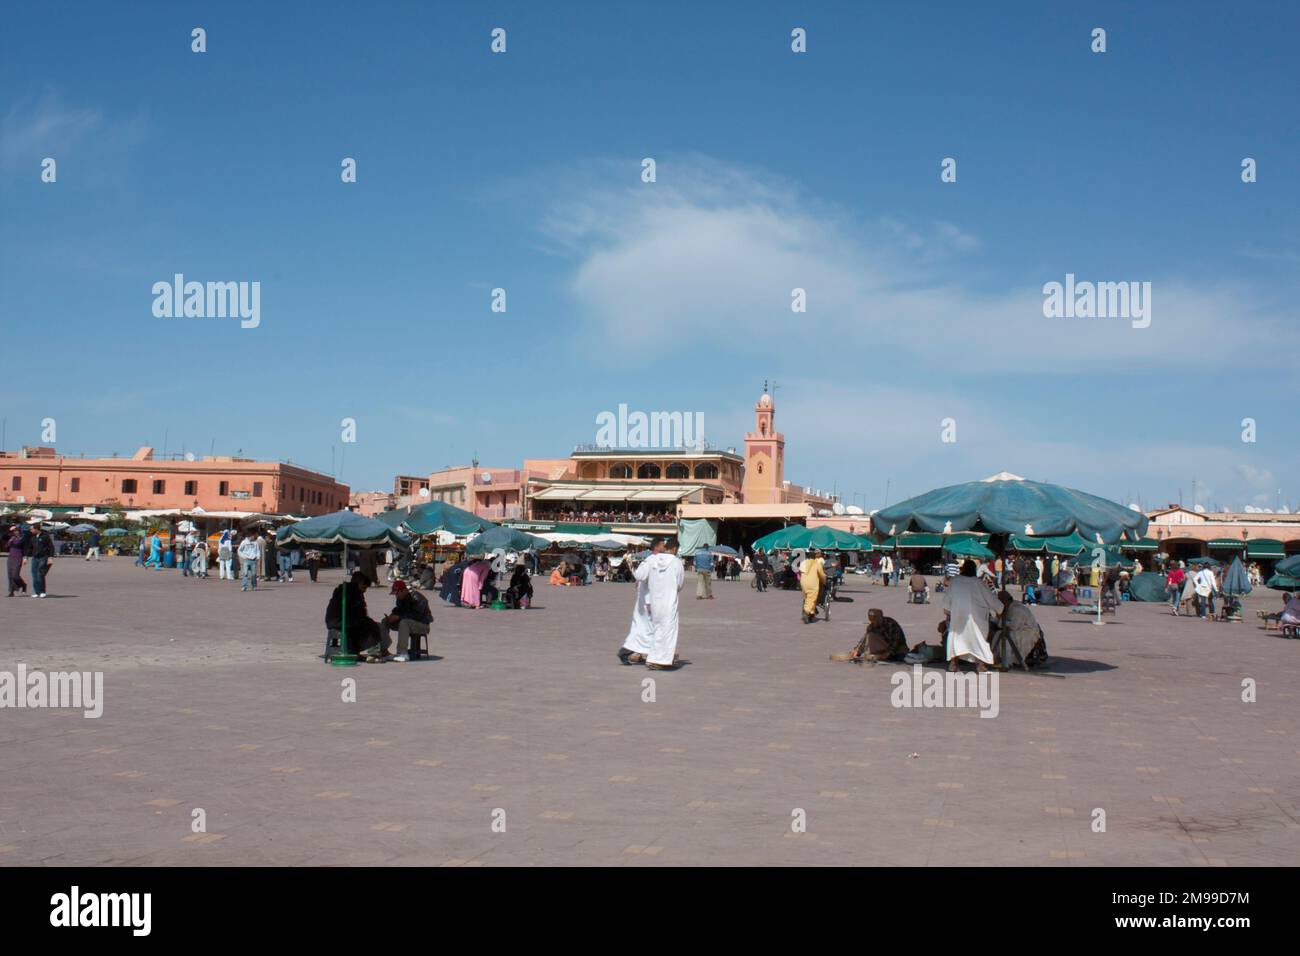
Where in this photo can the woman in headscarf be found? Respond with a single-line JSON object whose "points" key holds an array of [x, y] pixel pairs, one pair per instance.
{"points": [[812, 578], [155, 551], [14, 545], [520, 591], [471, 586]]}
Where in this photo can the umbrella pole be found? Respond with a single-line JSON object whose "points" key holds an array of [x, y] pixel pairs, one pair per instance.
{"points": [[343, 658], [1101, 583]]}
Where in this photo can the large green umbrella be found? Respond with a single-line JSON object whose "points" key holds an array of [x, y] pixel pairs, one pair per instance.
{"points": [[1008, 504], [341, 529], [1290, 567], [436, 516], [1283, 582], [507, 539]]}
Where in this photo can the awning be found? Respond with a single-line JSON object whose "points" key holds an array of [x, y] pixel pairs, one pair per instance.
{"points": [[1265, 548], [554, 494], [1225, 543], [916, 539], [1146, 544], [642, 492], [657, 495]]}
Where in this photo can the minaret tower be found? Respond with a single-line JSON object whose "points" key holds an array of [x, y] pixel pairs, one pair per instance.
{"points": [[764, 456]]}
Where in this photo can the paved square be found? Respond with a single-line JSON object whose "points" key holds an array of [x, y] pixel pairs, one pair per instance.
{"points": [[218, 700]]}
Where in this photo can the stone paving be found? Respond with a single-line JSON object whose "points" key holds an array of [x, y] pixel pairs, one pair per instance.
{"points": [[218, 700]]}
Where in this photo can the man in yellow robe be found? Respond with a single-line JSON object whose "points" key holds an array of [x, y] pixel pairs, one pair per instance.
{"points": [[812, 578]]}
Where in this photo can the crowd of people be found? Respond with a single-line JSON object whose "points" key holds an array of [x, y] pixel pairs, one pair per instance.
{"points": [[246, 556]]}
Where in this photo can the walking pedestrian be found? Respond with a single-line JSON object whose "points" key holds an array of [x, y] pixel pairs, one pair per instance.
{"points": [[703, 574]]}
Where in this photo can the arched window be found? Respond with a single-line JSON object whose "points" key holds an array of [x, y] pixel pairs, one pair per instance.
{"points": [[621, 470], [648, 470], [706, 469], [678, 470]]}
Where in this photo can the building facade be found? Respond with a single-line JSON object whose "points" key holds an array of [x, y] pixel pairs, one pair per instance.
{"points": [[1253, 535], [41, 477], [641, 488]]}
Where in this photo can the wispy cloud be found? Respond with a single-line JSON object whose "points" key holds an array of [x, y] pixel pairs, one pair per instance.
{"points": [[45, 125]]}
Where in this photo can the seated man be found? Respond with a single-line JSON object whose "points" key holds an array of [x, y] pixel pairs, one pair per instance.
{"points": [[410, 615], [1017, 624], [520, 591], [918, 589], [361, 633], [883, 640], [1290, 611]]}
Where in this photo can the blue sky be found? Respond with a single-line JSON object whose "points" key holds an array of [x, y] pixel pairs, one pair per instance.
{"points": [[775, 170]]}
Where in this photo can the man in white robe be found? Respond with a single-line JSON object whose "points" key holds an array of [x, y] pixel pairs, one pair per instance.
{"points": [[969, 604], [636, 648], [663, 575]]}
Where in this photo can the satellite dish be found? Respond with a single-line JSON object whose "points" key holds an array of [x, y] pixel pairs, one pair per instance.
{"points": [[1133, 507], [837, 508], [854, 510], [189, 456], [424, 492], [487, 477], [1200, 509]]}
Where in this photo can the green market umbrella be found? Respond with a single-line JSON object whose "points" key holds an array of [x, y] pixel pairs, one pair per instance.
{"points": [[1283, 582], [1235, 580], [1201, 562], [833, 539], [968, 547], [1109, 557], [1008, 504], [114, 532], [1290, 567], [824, 538], [436, 516], [779, 538], [341, 529], [507, 539]]}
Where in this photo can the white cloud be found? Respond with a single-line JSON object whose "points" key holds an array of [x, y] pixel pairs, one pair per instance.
{"points": [[709, 255]]}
